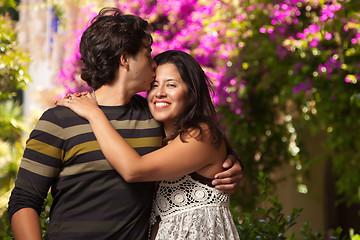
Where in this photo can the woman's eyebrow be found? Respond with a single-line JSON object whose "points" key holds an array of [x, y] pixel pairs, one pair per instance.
{"points": [[172, 79]]}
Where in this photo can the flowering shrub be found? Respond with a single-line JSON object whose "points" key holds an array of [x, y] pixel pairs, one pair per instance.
{"points": [[13, 79], [13, 61], [278, 68]]}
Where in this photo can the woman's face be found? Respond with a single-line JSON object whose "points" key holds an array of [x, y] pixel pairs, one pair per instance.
{"points": [[167, 97]]}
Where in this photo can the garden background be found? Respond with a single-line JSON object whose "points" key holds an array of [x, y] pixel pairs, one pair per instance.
{"points": [[286, 75]]}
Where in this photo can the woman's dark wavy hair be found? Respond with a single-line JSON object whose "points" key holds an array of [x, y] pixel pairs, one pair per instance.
{"points": [[110, 35], [200, 108]]}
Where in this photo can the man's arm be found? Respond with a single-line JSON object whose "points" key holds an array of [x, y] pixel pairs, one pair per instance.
{"points": [[38, 170], [24, 209], [25, 224], [229, 179]]}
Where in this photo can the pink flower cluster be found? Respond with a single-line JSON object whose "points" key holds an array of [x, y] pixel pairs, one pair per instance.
{"points": [[215, 33]]}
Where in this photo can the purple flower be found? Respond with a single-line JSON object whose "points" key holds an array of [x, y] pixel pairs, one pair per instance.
{"points": [[328, 36], [303, 86]]}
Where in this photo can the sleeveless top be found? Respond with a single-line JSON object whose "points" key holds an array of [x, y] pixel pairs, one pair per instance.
{"points": [[190, 209]]}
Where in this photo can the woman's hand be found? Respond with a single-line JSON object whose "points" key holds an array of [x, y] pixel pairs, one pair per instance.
{"points": [[81, 103]]}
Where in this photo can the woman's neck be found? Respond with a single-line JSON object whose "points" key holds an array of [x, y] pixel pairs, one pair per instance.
{"points": [[168, 129]]}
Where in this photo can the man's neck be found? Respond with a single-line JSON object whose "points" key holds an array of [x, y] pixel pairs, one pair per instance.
{"points": [[108, 95]]}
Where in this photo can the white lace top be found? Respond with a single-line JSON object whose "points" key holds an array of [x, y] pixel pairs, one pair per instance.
{"points": [[192, 210]]}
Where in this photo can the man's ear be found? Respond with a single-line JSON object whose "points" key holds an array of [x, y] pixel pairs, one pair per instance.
{"points": [[124, 61]]}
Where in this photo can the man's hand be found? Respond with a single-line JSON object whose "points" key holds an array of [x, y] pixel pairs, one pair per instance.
{"points": [[229, 179]]}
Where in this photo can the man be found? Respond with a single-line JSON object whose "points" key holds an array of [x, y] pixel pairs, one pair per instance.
{"points": [[91, 200]]}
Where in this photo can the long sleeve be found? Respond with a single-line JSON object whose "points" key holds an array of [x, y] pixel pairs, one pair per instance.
{"points": [[40, 165]]}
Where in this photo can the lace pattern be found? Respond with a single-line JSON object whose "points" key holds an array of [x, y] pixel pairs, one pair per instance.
{"points": [[191, 210], [182, 194]]}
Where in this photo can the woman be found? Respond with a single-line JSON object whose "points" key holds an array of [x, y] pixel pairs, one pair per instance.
{"points": [[188, 205]]}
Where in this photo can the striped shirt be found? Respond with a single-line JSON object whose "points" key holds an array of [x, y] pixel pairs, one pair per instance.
{"points": [[91, 200]]}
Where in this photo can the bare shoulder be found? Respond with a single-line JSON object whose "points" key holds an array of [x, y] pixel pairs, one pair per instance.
{"points": [[202, 133], [215, 153]]}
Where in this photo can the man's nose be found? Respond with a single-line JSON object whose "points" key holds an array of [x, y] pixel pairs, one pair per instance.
{"points": [[153, 65]]}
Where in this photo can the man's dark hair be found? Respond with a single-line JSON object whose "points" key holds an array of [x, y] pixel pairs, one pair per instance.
{"points": [[110, 35]]}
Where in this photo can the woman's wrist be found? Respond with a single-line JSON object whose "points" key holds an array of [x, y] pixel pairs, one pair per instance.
{"points": [[94, 114]]}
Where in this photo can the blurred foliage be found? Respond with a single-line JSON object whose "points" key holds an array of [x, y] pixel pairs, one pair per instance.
{"points": [[354, 236], [11, 122], [8, 7], [12, 128], [13, 61], [268, 221], [13, 68], [295, 71]]}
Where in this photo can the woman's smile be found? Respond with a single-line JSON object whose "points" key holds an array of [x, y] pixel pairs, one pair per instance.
{"points": [[161, 104]]}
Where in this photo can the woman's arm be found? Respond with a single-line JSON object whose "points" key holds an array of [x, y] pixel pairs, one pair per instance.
{"points": [[176, 159]]}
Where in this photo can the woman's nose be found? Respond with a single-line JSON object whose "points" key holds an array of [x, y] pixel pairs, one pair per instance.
{"points": [[160, 92]]}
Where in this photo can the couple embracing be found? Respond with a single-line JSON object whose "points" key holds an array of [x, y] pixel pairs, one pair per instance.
{"points": [[117, 163]]}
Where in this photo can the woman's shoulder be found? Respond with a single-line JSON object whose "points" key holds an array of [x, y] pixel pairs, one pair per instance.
{"points": [[203, 131]]}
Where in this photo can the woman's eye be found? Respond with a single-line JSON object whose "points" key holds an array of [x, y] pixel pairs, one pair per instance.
{"points": [[171, 85]]}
